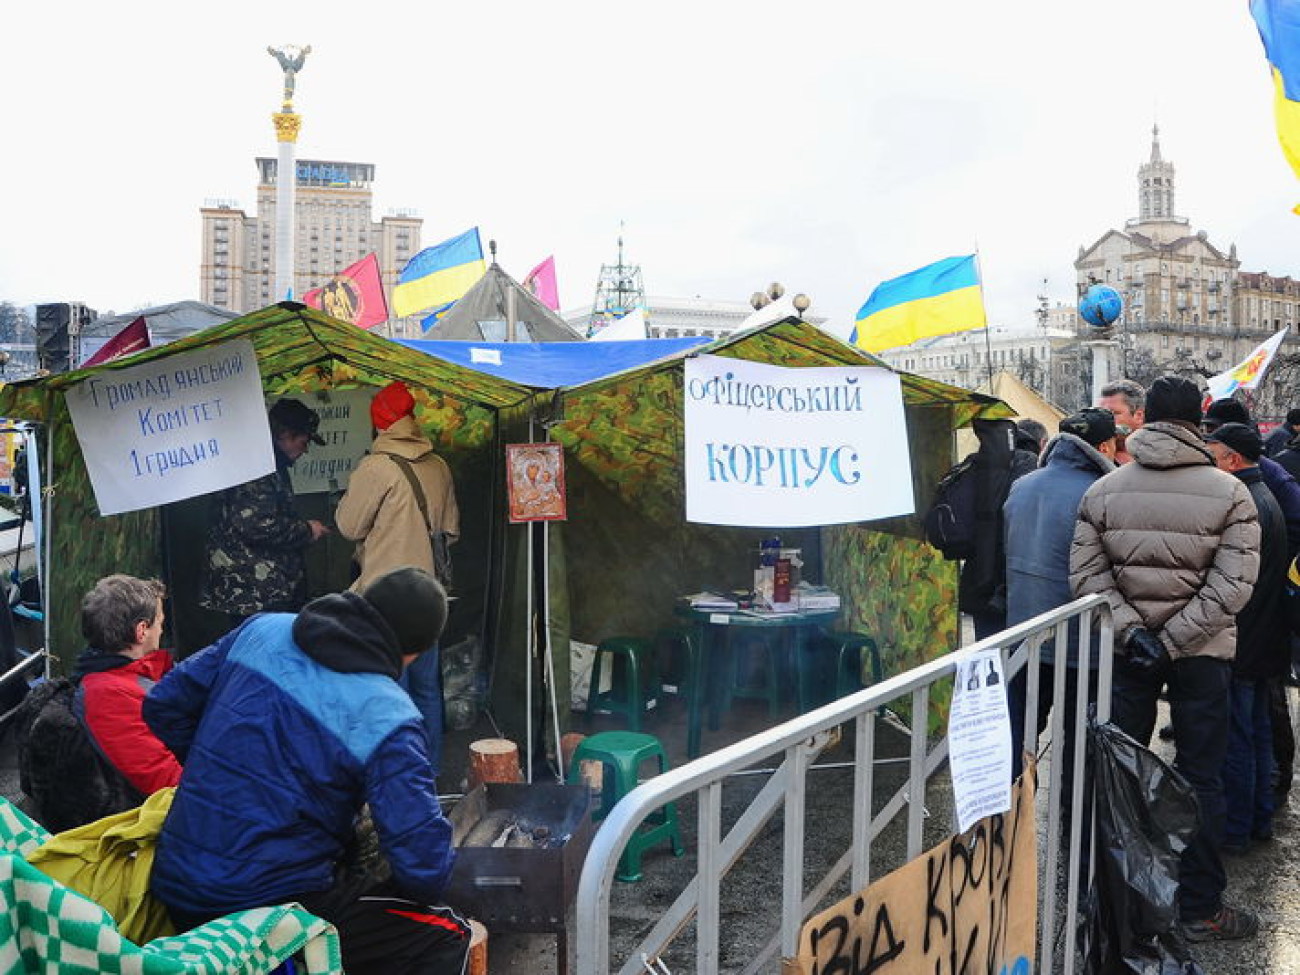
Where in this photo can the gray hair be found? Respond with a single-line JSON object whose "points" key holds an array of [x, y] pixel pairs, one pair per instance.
{"points": [[110, 611], [1134, 395]]}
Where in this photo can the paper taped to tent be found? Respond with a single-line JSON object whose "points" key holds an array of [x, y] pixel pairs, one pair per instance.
{"points": [[616, 566]]}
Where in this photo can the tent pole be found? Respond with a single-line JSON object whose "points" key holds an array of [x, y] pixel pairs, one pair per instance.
{"points": [[549, 649], [47, 499], [532, 630]]}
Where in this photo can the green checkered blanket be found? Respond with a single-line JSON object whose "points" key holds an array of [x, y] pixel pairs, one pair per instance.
{"points": [[46, 927]]}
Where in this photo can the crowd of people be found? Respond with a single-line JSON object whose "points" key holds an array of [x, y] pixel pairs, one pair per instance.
{"points": [[1177, 514], [312, 729]]}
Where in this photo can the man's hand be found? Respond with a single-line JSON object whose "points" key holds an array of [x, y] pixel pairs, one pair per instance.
{"points": [[318, 530], [1145, 651]]}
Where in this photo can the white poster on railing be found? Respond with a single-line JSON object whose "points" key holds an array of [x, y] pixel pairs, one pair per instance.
{"points": [[979, 739], [173, 428], [772, 446]]}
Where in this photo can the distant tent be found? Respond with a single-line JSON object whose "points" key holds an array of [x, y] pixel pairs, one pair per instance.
{"points": [[1026, 403], [167, 323], [482, 315]]}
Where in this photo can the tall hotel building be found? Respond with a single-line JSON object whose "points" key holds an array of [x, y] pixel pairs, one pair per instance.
{"points": [[335, 228]]}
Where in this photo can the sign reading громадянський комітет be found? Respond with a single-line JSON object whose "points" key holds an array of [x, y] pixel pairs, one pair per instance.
{"points": [[778, 447], [174, 428]]}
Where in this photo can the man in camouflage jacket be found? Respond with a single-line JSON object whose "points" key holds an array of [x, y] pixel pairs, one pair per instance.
{"points": [[257, 541]]}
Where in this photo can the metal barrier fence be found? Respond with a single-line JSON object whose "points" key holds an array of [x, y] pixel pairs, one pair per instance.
{"points": [[798, 742]]}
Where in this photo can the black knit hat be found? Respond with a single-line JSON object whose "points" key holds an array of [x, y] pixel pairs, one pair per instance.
{"points": [[413, 603], [1091, 424], [1223, 411], [1243, 439], [1173, 398]]}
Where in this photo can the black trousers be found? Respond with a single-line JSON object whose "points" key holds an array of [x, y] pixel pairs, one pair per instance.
{"points": [[1198, 704], [383, 933]]}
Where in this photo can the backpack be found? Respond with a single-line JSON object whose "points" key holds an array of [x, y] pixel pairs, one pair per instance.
{"points": [[61, 769], [950, 520]]}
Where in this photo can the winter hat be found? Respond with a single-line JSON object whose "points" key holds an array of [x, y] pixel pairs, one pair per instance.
{"points": [[390, 404], [1091, 424], [1173, 398], [413, 603], [296, 416], [1243, 439], [1223, 411]]}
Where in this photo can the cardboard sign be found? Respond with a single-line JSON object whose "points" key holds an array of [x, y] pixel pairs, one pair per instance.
{"points": [[778, 447], [968, 905], [174, 428], [535, 482]]}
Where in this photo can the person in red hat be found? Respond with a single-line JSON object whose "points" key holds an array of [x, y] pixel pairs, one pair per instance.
{"points": [[400, 509]]}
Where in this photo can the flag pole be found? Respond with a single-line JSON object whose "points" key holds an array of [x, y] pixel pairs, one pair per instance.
{"points": [[988, 342]]}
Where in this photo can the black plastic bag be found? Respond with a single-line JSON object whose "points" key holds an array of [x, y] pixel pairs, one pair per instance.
{"points": [[1146, 815]]}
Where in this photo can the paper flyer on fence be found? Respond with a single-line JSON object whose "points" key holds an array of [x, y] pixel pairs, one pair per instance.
{"points": [[979, 739]]}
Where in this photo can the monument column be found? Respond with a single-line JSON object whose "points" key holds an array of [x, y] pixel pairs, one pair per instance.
{"points": [[287, 123]]}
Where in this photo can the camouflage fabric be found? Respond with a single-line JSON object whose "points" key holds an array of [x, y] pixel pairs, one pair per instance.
{"points": [[255, 548]]}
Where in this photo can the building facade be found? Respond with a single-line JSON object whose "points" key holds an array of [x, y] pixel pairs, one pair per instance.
{"points": [[334, 228]]}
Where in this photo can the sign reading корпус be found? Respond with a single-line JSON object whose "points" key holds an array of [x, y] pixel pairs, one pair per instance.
{"points": [[778, 447]]}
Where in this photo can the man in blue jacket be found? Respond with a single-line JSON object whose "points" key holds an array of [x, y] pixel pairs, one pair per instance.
{"points": [[286, 727], [1039, 517]]}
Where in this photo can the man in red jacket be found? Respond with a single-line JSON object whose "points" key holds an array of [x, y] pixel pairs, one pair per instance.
{"points": [[122, 621]]}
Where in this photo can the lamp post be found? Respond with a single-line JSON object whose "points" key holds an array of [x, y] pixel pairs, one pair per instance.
{"points": [[775, 292]]}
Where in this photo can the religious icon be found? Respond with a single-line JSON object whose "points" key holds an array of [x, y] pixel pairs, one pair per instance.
{"points": [[535, 482]]}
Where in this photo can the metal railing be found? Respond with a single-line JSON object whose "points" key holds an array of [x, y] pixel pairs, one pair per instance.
{"points": [[798, 742]]}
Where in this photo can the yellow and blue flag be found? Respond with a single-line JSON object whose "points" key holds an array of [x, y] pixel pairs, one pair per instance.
{"points": [[439, 274], [1279, 28], [937, 299], [434, 317]]}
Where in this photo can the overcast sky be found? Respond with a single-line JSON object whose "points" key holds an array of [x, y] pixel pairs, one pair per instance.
{"points": [[825, 145]]}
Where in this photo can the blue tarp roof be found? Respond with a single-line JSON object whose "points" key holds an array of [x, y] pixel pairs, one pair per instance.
{"points": [[549, 365]]}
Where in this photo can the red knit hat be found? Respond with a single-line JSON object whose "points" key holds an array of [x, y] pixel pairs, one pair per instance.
{"points": [[390, 404]]}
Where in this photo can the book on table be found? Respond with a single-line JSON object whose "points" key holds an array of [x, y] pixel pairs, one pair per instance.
{"points": [[712, 601]]}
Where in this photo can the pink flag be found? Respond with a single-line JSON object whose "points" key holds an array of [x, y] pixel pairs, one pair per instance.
{"points": [[540, 281]]}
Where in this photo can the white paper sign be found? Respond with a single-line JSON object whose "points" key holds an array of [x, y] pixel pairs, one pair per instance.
{"points": [[345, 428], [979, 739], [771, 446], [174, 428]]}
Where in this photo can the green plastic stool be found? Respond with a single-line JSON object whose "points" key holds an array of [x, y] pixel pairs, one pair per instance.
{"points": [[848, 662], [640, 679], [770, 687], [622, 753]]}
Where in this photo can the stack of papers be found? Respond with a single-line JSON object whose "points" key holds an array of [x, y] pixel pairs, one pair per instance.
{"points": [[813, 598], [711, 601]]}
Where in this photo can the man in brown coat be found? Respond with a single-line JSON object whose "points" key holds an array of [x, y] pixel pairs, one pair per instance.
{"points": [[1173, 543], [392, 525]]}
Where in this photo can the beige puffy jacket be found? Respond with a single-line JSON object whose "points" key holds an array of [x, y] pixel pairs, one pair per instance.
{"points": [[1171, 541], [380, 512]]}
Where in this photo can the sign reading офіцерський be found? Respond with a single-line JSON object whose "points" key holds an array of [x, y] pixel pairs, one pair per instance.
{"points": [[173, 428], [778, 447]]}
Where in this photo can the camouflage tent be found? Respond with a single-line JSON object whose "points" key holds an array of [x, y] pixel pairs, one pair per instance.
{"points": [[625, 548]]}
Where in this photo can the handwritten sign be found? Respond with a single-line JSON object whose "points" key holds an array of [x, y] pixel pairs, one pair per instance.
{"points": [[174, 428], [771, 446], [969, 904], [345, 428]]}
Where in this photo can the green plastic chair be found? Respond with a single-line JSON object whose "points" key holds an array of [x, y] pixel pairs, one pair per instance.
{"points": [[633, 659]]}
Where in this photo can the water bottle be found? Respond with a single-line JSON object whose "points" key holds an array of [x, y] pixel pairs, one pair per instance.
{"points": [[769, 550]]}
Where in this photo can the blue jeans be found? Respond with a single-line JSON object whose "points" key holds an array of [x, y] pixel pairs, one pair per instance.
{"points": [[423, 681], [1248, 766], [1198, 705]]}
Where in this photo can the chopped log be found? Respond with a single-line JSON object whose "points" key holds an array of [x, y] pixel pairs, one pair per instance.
{"points": [[493, 760], [478, 947]]}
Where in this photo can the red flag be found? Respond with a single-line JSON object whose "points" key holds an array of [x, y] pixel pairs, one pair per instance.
{"points": [[133, 338], [355, 294]]}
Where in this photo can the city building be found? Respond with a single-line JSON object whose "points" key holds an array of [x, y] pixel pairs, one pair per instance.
{"points": [[335, 227]]}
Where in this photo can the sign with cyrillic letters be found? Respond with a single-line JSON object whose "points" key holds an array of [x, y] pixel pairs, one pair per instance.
{"points": [[778, 447], [173, 428]]}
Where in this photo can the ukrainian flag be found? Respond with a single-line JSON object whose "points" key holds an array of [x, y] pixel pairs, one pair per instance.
{"points": [[1279, 28], [435, 316], [439, 274], [937, 299]]}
